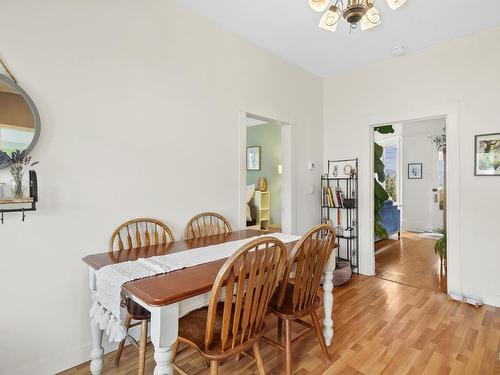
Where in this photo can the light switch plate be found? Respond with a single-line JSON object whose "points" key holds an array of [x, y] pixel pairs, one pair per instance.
{"points": [[311, 165]]}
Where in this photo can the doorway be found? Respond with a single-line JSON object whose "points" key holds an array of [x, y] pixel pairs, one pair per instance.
{"points": [[410, 202], [266, 173]]}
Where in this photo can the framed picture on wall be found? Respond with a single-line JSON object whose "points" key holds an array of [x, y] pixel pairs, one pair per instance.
{"points": [[415, 171], [253, 158], [487, 155]]}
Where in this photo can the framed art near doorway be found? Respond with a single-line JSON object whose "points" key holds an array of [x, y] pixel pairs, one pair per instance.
{"points": [[487, 155], [415, 171], [253, 158]]}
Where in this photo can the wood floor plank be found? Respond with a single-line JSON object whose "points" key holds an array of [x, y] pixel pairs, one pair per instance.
{"points": [[410, 260], [380, 327]]}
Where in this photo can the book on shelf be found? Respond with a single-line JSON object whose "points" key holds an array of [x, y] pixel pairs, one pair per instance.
{"points": [[332, 198]]}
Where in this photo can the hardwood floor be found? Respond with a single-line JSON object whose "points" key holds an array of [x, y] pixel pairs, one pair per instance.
{"points": [[410, 260], [381, 327]]}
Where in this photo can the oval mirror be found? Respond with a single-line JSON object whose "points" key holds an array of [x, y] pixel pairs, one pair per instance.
{"points": [[19, 121]]}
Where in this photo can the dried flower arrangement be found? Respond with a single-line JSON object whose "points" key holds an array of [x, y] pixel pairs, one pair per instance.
{"points": [[18, 164]]}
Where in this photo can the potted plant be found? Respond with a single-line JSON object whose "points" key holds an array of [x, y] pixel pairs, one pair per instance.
{"points": [[440, 247]]}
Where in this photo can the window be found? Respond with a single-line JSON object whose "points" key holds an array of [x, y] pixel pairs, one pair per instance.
{"points": [[440, 181], [390, 159]]}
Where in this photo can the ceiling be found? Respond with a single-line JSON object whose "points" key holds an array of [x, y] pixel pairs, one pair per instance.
{"points": [[289, 29], [254, 122]]}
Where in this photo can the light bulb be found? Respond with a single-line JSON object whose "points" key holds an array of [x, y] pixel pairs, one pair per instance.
{"points": [[395, 4], [318, 5], [371, 19], [330, 20]]}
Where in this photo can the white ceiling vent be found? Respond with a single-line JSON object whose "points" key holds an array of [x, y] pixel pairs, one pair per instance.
{"points": [[398, 51]]}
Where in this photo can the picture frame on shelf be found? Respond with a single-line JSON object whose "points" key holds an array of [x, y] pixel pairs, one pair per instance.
{"points": [[414, 171], [487, 154], [253, 158]]}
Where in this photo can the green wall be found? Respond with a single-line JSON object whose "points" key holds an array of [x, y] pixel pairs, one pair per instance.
{"points": [[268, 137]]}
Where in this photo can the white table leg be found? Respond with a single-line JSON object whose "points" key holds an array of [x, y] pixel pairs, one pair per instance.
{"points": [[164, 330], [97, 350], [328, 299]]}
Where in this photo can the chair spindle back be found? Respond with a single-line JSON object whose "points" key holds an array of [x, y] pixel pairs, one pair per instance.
{"points": [[140, 232], [206, 224], [307, 261], [250, 277]]}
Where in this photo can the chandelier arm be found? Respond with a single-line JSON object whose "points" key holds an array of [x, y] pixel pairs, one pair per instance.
{"points": [[336, 22], [373, 22], [341, 7]]}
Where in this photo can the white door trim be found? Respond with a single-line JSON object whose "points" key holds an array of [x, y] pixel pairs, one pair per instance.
{"points": [[288, 221], [452, 113]]}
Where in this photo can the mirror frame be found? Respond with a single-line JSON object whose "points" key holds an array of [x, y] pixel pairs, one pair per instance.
{"points": [[34, 111]]}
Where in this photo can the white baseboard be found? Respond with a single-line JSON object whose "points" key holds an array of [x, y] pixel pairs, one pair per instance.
{"points": [[53, 365], [414, 226], [81, 354], [66, 359], [491, 299]]}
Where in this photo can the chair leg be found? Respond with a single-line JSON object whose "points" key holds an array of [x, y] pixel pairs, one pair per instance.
{"points": [[321, 338], [142, 347], [288, 347], [280, 329], [205, 362], [258, 358], [214, 367], [175, 348], [128, 320]]}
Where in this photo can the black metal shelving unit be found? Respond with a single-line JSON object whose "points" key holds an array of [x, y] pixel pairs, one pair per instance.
{"points": [[344, 217]]}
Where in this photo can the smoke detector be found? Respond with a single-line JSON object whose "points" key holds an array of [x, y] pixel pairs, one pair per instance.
{"points": [[398, 51]]}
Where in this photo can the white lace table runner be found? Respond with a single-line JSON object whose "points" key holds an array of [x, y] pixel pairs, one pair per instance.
{"points": [[109, 279]]}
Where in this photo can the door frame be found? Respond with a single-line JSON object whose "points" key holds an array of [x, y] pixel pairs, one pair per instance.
{"points": [[288, 222], [451, 113]]}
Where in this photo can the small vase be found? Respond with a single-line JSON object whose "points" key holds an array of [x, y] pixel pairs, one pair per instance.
{"points": [[262, 184], [17, 187]]}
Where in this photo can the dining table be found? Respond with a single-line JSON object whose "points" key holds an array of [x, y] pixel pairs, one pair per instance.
{"points": [[171, 295]]}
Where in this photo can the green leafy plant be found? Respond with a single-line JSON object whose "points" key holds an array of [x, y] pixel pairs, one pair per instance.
{"points": [[439, 140], [440, 245], [380, 195]]}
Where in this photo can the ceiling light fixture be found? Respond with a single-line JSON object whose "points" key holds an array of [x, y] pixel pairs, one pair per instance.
{"points": [[318, 5], [395, 4], [355, 12]]}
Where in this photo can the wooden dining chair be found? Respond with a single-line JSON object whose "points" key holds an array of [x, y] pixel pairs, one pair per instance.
{"points": [[298, 297], [133, 234], [140, 232], [206, 224], [234, 319]]}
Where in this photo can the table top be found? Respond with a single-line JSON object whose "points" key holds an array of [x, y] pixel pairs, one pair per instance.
{"points": [[164, 289]]}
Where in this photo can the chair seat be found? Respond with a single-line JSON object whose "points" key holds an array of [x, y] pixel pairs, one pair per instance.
{"points": [[192, 329], [286, 311], [137, 311]]}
